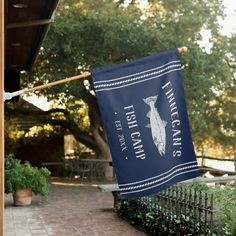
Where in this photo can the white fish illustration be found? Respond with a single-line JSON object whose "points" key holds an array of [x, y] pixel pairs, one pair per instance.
{"points": [[157, 125]]}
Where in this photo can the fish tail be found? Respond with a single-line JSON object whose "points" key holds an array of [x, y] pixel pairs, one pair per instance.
{"points": [[148, 100]]}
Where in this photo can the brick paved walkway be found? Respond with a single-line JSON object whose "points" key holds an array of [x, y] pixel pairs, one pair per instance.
{"points": [[69, 210]]}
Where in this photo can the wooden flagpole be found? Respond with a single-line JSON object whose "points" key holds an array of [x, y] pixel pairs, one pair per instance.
{"points": [[78, 77]]}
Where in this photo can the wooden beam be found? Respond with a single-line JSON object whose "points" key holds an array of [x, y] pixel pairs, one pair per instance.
{"points": [[2, 35], [29, 23]]}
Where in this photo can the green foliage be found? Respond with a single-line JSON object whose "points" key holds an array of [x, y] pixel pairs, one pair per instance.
{"points": [[161, 222], [22, 175], [158, 222], [198, 186], [225, 203], [88, 34]]}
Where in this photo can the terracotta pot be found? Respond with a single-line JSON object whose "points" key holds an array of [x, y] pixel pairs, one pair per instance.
{"points": [[22, 197]]}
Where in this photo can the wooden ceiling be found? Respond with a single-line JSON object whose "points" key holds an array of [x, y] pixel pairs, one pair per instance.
{"points": [[27, 23]]}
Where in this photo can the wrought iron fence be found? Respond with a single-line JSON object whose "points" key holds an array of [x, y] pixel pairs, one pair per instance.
{"points": [[178, 205], [180, 200]]}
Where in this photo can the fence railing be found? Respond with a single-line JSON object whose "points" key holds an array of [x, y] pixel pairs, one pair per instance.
{"points": [[222, 161], [178, 203], [185, 204]]}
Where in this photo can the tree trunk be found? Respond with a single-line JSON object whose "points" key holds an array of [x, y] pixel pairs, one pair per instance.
{"points": [[104, 150]]}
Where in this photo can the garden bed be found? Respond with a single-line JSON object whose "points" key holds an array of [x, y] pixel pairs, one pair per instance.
{"points": [[193, 209]]}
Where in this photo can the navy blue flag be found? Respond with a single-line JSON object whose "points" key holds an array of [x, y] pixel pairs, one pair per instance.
{"points": [[144, 113]]}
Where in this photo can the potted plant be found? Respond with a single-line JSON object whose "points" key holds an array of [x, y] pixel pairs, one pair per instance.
{"points": [[21, 179]]}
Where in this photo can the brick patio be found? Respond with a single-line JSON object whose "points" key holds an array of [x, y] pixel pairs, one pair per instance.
{"points": [[69, 210]]}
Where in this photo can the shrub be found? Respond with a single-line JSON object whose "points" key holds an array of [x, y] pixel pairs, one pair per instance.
{"points": [[158, 221], [23, 175]]}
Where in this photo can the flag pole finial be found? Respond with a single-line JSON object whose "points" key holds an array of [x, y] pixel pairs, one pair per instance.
{"points": [[182, 50]]}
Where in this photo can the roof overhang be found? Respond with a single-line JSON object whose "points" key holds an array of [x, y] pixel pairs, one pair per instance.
{"points": [[27, 23]]}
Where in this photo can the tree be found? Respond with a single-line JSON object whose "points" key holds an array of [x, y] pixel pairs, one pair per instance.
{"points": [[88, 34]]}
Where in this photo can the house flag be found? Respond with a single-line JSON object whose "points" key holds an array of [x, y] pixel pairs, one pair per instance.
{"points": [[145, 118]]}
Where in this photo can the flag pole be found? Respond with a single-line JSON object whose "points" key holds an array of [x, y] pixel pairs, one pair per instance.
{"points": [[77, 77], [8, 96]]}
